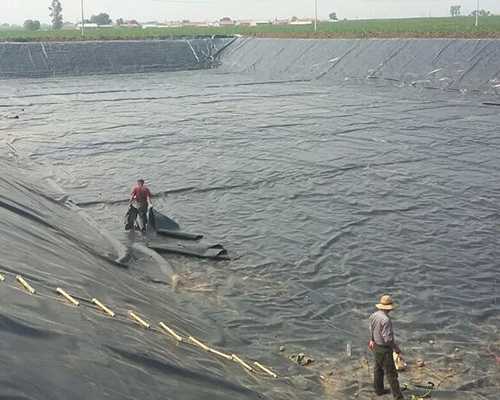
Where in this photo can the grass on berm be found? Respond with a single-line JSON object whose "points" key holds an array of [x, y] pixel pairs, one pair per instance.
{"points": [[463, 27]]}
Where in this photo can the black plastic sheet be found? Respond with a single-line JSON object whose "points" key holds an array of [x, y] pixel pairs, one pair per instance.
{"points": [[46, 59], [332, 191]]}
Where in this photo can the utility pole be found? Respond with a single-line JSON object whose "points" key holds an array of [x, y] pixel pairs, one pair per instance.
{"points": [[83, 21], [316, 15], [477, 13]]}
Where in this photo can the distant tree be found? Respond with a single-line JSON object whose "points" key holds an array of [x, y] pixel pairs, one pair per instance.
{"points": [[186, 21], [120, 21], [333, 16], [455, 11], [56, 14], [482, 13], [132, 21], [101, 19], [226, 19], [31, 25], [294, 18]]}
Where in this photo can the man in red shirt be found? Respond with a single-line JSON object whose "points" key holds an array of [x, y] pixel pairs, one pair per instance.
{"points": [[143, 196]]}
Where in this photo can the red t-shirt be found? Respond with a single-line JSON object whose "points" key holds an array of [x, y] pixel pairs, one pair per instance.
{"points": [[141, 193]]}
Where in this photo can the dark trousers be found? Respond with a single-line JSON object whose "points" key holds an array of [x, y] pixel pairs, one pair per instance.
{"points": [[142, 215], [384, 365]]}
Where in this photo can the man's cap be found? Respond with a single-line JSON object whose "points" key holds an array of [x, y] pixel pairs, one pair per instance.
{"points": [[386, 303], [140, 180]]}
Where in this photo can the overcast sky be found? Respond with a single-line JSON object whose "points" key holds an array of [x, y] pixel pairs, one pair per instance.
{"points": [[17, 11]]}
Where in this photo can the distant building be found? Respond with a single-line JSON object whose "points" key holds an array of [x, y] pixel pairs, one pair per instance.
{"points": [[246, 22], [156, 26], [174, 24], [87, 26], [262, 23], [307, 21], [130, 26], [224, 23], [195, 24], [282, 22]]}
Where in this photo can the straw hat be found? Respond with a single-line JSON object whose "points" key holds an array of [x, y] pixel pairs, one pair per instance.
{"points": [[386, 303]]}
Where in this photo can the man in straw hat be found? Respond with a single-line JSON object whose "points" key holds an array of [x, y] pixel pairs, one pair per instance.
{"points": [[383, 345]]}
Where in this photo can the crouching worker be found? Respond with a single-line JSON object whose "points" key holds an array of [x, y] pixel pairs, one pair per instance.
{"points": [[143, 196], [383, 345]]}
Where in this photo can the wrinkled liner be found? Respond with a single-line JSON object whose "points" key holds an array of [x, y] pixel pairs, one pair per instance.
{"points": [[19, 60], [454, 64]]}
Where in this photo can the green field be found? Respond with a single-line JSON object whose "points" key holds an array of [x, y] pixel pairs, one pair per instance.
{"points": [[463, 27]]}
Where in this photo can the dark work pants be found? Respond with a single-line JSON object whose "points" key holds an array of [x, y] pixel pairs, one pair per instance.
{"points": [[384, 364], [142, 215]]}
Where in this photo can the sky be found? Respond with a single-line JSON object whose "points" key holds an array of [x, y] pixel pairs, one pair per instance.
{"points": [[17, 11]]}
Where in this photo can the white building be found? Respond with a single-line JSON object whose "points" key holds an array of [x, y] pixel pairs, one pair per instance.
{"points": [[87, 26], [91, 25], [308, 21]]}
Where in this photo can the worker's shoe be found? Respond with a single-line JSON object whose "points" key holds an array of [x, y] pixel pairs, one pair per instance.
{"points": [[383, 392]]}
